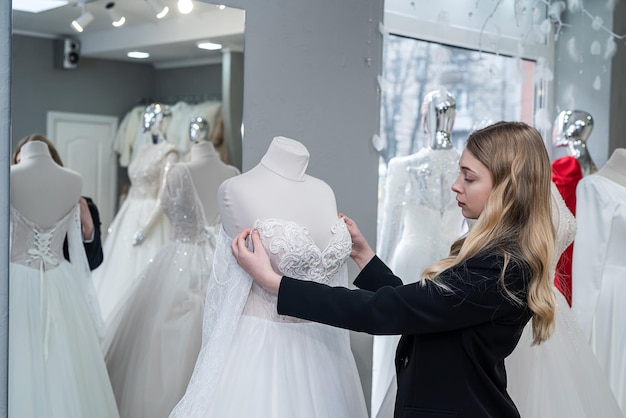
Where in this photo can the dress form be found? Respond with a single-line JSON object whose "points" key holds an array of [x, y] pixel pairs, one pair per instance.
{"points": [[572, 129], [278, 187], [41, 189], [418, 223], [208, 172], [615, 167]]}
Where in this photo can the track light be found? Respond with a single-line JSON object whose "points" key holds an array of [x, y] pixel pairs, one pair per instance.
{"points": [[83, 20], [116, 19], [158, 8], [185, 6]]}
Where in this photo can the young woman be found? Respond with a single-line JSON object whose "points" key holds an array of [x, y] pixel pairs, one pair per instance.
{"points": [[466, 315]]}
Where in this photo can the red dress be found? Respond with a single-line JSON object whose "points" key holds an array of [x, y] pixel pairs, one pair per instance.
{"points": [[566, 173]]}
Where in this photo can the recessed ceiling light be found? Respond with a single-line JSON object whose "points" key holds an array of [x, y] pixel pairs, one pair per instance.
{"points": [[36, 6], [138, 55], [209, 45]]}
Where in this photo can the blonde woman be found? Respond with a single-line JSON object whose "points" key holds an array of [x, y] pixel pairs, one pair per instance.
{"points": [[467, 314]]}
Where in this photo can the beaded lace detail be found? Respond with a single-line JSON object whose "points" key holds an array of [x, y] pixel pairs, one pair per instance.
{"points": [[146, 170]]}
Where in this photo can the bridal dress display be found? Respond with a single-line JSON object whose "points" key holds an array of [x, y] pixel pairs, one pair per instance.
{"points": [[256, 363], [561, 377], [155, 339], [56, 367], [123, 262], [419, 221]]}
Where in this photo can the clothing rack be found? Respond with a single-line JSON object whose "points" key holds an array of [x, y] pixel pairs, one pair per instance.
{"points": [[171, 100]]}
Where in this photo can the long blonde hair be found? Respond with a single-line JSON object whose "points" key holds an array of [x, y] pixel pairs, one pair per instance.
{"points": [[516, 221]]}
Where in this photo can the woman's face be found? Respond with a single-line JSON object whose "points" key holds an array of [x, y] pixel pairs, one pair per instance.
{"points": [[473, 186]]}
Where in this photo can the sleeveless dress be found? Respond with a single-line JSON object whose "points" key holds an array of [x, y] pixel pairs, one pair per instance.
{"points": [[420, 220], [123, 263], [154, 341], [56, 366], [256, 363]]}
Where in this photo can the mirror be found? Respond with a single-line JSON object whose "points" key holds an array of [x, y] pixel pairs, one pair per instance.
{"points": [[79, 90]]}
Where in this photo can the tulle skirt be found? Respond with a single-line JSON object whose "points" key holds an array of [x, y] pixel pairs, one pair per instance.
{"points": [[56, 365], [123, 263], [154, 341], [288, 370], [560, 377]]}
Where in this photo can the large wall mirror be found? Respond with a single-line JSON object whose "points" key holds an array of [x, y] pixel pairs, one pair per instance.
{"points": [[89, 96]]}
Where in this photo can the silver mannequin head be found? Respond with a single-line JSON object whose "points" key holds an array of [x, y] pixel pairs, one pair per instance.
{"points": [[154, 118], [570, 127], [199, 130], [438, 113]]}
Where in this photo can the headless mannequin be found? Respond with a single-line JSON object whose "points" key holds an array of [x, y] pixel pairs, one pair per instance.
{"points": [[206, 169], [572, 129], [278, 188], [156, 118], [41, 190], [615, 167]]}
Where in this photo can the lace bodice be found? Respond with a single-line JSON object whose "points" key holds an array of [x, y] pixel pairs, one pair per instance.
{"points": [[293, 253], [37, 247], [182, 206], [146, 170]]}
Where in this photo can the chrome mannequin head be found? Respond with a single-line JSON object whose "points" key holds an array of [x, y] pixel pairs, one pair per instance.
{"points": [[199, 130], [155, 118], [571, 127], [438, 114]]}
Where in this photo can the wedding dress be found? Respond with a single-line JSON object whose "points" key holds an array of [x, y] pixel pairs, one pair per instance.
{"points": [[560, 377], [156, 338], [56, 367], [256, 363], [123, 262]]}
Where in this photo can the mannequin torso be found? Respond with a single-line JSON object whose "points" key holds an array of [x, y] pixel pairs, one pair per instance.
{"points": [[278, 188], [615, 167], [207, 173], [42, 190]]}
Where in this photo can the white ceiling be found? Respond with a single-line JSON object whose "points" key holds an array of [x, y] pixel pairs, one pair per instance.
{"points": [[171, 41]]}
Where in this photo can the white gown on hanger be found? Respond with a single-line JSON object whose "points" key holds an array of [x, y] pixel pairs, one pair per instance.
{"points": [[56, 366], [156, 338], [256, 363], [561, 377], [123, 263]]}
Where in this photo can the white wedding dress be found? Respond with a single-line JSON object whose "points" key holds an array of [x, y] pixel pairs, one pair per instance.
{"points": [[155, 340], [123, 263], [256, 363], [56, 366]]}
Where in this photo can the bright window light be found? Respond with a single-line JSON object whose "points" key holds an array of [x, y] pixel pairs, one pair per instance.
{"points": [[209, 45], [138, 55], [36, 6]]}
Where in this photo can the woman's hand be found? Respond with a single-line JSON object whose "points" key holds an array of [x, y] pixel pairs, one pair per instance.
{"points": [[361, 253], [256, 262]]}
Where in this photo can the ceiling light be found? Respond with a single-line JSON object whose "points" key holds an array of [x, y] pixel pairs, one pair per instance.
{"points": [[158, 8], [116, 19], [185, 6], [36, 6], [221, 6], [138, 54], [209, 45], [83, 20]]}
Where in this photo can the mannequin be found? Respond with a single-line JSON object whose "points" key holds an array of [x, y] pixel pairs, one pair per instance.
{"points": [[245, 341], [54, 327], [139, 229], [599, 268], [571, 129], [163, 317], [419, 221]]}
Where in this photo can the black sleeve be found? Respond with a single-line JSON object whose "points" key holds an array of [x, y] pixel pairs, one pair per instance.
{"points": [[474, 296], [375, 275], [93, 249]]}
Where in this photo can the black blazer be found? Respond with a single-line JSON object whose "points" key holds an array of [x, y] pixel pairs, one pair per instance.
{"points": [[450, 359], [93, 249]]}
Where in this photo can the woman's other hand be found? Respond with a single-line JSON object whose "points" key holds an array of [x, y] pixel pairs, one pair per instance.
{"points": [[361, 253], [255, 262]]}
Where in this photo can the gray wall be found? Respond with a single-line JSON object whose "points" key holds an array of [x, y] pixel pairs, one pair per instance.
{"points": [[617, 104], [192, 82]]}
